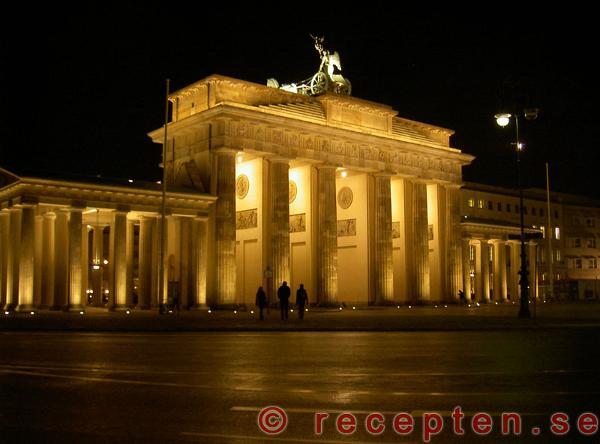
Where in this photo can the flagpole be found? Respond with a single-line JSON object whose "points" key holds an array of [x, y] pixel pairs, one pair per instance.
{"points": [[161, 278], [549, 234]]}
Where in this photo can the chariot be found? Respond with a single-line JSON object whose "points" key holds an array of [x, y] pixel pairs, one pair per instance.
{"points": [[327, 78]]}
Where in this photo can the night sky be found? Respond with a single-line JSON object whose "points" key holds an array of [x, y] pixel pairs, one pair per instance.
{"points": [[81, 88]]}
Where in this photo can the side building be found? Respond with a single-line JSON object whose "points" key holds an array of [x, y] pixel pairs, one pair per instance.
{"points": [[562, 246]]}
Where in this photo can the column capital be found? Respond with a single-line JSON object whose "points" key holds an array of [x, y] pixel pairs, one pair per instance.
{"points": [[388, 174], [279, 159], [325, 166], [22, 205], [224, 151]]}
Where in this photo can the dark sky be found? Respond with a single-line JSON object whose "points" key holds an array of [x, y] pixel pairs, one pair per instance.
{"points": [[81, 88]]}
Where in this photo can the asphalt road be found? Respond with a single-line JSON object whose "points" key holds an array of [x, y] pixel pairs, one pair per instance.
{"points": [[210, 387]]}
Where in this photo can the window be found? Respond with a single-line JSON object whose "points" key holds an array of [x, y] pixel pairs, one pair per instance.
{"points": [[541, 211], [557, 233], [517, 209], [533, 211], [556, 214], [591, 243], [557, 251], [491, 253], [499, 206], [471, 203], [543, 228], [590, 222], [577, 242], [490, 205], [472, 253], [577, 262], [480, 204], [508, 207], [524, 210], [592, 263]]}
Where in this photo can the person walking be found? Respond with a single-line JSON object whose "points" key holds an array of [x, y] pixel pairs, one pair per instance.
{"points": [[261, 301], [301, 300], [283, 294]]}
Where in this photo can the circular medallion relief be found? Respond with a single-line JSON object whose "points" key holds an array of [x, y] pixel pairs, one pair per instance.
{"points": [[293, 191], [242, 185], [345, 197]]}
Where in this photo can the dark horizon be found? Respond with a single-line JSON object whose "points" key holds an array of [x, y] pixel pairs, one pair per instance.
{"points": [[82, 98]]}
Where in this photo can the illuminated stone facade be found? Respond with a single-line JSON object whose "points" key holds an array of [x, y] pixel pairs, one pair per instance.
{"points": [[67, 245], [356, 168], [361, 206]]}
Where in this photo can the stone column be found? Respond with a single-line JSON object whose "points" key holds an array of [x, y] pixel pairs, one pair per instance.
{"points": [[85, 262], [225, 227], [466, 268], [4, 255], [381, 247], [455, 253], [200, 252], [156, 247], [61, 244], [119, 261], [184, 248], [499, 270], [130, 240], [97, 264], [14, 256], [75, 260], [48, 255], [532, 258], [279, 220], [38, 260], [327, 284], [27, 259], [515, 265], [484, 274], [420, 236], [145, 262]]}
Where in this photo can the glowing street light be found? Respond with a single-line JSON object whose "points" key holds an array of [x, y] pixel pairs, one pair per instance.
{"points": [[503, 119]]}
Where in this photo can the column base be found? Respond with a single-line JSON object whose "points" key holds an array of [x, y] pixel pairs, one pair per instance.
{"points": [[9, 307], [385, 304], [75, 308], [58, 308], [331, 304], [199, 307], [239, 307], [120, 308], [25, 307]]}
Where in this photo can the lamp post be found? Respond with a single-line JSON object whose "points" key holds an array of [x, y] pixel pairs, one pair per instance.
{"points": [[503, 120]]}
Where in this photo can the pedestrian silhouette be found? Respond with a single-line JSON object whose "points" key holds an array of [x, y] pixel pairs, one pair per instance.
{"points": [[461, 296], [301, 300], [261, 301], [283, 294]]}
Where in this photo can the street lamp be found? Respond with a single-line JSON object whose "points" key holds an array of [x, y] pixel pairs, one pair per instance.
{"points": [[503, 119]]}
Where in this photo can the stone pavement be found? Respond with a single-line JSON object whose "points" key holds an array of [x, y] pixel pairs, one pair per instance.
{"points": [[402, 318]]}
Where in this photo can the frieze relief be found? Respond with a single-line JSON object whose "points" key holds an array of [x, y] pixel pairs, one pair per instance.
{"points": [[246, 219], [395, 230], [346, 227], [259, 137], [298, 223]]}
